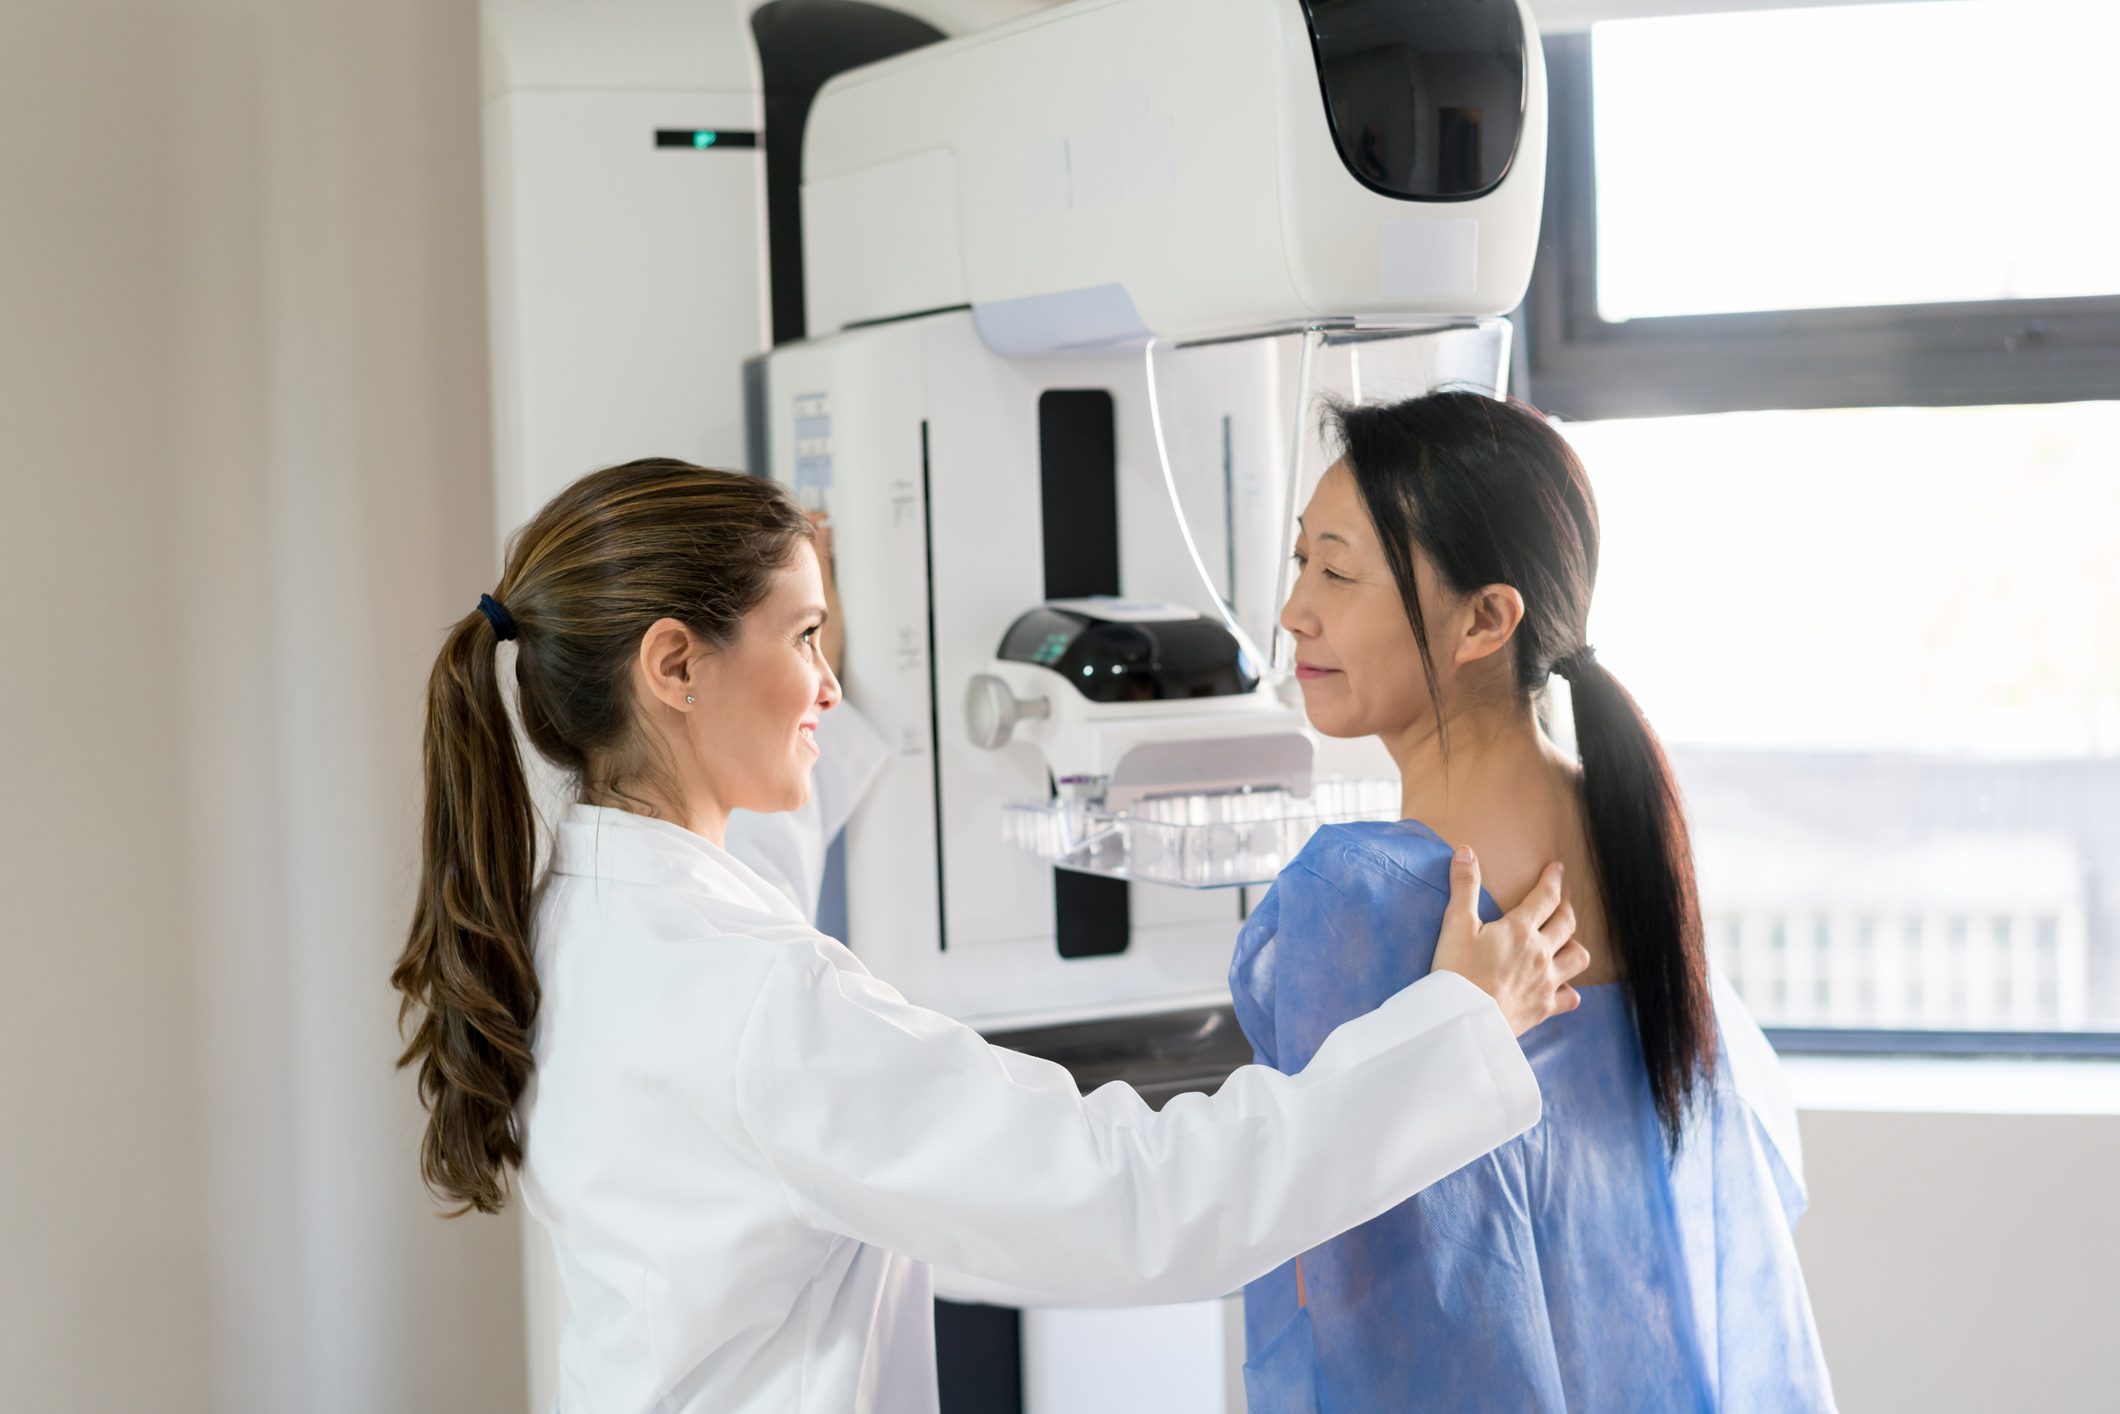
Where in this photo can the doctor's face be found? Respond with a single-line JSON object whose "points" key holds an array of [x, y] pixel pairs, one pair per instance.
{"points": [[765, 694], [1356, 659]]}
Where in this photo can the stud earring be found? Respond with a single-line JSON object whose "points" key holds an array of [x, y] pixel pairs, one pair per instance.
{"points": [[690, 699]]}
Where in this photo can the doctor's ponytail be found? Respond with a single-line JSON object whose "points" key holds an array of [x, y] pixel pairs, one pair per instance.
{"points": [[613, 554], [467, 963], [1488, 493]]}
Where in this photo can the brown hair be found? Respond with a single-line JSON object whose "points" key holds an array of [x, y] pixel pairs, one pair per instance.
{"points": [[591, 572]]}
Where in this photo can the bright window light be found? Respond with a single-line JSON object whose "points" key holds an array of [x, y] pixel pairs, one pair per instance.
{"points": [[1857, 155], [1883, 648]]}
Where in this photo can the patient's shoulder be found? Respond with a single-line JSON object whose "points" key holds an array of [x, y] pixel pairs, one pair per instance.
{"points": [[1353, 919], [1367, 853]]}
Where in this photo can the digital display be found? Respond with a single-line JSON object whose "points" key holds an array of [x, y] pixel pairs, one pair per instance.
{"points": [[700, 139]]}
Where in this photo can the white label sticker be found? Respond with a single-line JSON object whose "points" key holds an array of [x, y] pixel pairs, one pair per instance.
{"points": [[1045, 181], [1429, 259]]}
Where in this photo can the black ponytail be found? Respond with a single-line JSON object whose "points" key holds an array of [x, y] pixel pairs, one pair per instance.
{"points": [[1489, 493], [1637, 829]]}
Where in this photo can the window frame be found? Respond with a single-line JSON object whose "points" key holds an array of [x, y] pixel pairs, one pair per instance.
{"points": [[1581, 366], [1576, 365], [1881, 1041]]}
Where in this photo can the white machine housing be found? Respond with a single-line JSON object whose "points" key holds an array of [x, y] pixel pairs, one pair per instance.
{"points": [[1062, 187], [933, 451], [1017, 212], [1113, 169], [626, 283]]}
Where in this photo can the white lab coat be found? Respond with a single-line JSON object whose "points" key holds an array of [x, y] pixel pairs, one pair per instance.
{"points": [[747, 1151]]}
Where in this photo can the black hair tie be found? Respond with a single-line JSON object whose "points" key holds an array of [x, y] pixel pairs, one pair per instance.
{"points": [[1575, 664], [496, 614]]}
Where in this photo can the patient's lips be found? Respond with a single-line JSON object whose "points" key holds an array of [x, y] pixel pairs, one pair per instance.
{"points": [[1311, 672]]}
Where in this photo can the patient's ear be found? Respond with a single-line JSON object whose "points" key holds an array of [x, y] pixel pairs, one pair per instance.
{"points": [[1490, 616]]}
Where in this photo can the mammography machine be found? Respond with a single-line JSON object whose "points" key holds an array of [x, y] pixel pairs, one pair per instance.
{"points": [[1046, 263], [1041, 314]]}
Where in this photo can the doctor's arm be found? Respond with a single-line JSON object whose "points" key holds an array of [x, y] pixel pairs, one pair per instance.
{"points": [[898, 1127]]}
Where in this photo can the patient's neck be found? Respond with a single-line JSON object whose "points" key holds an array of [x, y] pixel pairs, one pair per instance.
{"points": [[1493, 754], [1515, 798]]}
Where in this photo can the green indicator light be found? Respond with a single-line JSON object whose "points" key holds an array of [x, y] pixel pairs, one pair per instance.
{"points": [[703, 139]]}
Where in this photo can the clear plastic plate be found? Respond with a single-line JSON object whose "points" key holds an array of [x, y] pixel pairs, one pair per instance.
{"points": [[1218, 840]]}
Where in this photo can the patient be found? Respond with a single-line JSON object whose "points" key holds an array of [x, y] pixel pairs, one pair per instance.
{"points": [[1633, 1252]]}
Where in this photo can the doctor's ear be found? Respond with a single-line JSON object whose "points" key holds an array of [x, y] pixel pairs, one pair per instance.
{"points": [[1491, 616], [668, 663]]}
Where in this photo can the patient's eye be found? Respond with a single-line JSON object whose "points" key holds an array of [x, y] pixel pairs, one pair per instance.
{"points": [[1303, 562]]}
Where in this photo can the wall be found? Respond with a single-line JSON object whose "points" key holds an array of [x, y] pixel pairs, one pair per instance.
{"points": [[1966, 1262], [244, 484]]}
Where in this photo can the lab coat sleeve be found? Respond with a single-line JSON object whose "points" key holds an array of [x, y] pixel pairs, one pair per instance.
{"points": [[787, 848], [901, 1128]]}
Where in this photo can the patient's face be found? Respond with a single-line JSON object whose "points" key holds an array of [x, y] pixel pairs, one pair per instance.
{"points": [[1356, 659]]}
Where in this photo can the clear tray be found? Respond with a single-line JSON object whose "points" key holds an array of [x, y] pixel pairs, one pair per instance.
{"points": [[1219, 840]]}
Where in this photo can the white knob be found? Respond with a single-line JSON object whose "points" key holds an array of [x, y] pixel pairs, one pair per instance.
{"points": [[991, 711]]}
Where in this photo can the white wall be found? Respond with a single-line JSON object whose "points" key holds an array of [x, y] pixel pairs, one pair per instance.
{"points": [[1965, 1263], [244, 483]]}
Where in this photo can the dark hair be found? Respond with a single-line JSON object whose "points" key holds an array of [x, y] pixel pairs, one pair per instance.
{"points": [[591, 572], [1489, 493]]}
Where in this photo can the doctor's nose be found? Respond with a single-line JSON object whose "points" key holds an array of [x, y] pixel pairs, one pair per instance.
{"points": [[828, 693]]}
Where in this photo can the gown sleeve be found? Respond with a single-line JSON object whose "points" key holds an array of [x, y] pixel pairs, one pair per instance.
{"points": [[898, 1127], [1251, 972]]}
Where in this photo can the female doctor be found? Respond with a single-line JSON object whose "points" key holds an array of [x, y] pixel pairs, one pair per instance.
{"points": [[746, 1150]]}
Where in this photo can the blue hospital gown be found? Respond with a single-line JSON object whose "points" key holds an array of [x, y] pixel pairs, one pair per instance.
{"points": [[1575, 1268]]}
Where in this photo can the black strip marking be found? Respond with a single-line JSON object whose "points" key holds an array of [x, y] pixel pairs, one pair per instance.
{"points": [[884, 319], [927, 539], [1078, 480]]}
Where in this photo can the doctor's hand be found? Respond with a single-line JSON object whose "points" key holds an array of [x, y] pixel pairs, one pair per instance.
{"points": [[1524, 958]]}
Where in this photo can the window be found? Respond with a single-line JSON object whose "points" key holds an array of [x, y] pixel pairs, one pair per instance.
{"points": [[1858, 156], [1911, 213], [1851, 402], [1879, 646]]}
